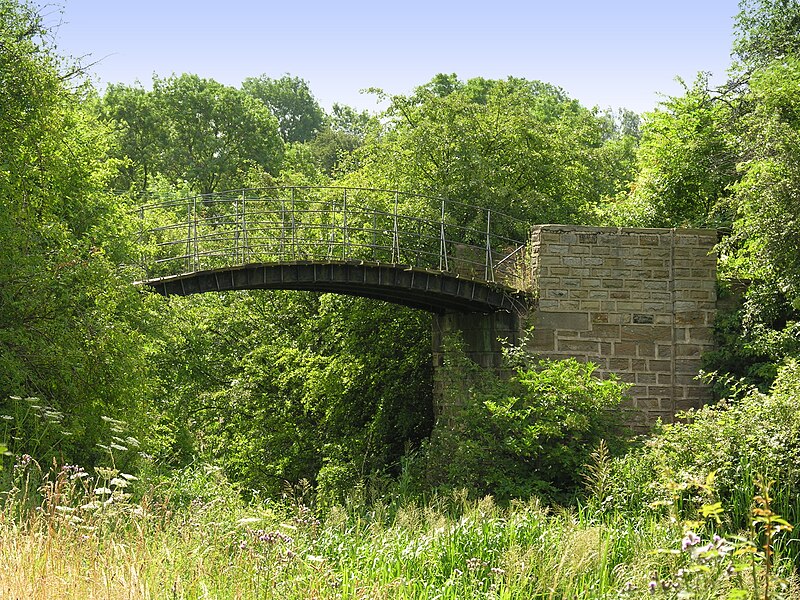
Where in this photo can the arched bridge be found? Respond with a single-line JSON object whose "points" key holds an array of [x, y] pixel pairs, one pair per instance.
{"points": [[414, 250], [639, 303]]}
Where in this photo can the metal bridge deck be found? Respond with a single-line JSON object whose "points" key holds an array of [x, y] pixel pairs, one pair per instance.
{"points": [[433, 291]]}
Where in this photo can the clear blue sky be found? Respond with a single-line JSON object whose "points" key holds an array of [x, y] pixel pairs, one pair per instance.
{"points": [[612, 53]]}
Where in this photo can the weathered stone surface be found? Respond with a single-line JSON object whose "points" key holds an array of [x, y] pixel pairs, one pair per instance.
{"points": [[648, 315], [640, 303]]}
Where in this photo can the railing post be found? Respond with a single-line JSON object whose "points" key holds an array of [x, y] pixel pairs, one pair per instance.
{"points": [[375, 235], [245, 247], [489, 267], [195, 255], [236, 231], [142, 258], [187, 263], [282, 238], [442, 244], [396, 234], [294, 234], [345, 244], [332, 228]]}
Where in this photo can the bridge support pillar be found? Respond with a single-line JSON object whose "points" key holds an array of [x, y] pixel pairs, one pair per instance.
{"points": [[639, 303], [476, 336]]}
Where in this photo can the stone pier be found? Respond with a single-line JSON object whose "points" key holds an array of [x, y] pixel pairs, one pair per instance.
{"points": [[640, 303]]}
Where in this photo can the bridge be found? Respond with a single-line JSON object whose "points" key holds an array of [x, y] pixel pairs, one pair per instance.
{"points": [[640, 303], [424, 252]]}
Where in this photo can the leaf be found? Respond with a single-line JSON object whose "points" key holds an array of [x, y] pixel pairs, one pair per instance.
{"points": [[712, 510]]}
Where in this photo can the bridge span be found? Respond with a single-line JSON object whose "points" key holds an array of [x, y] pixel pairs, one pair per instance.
{"points": [[427, 253], [640, 303]]}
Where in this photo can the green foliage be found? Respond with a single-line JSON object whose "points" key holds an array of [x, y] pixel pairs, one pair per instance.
{"points": [[686, 161], [530, 434], [278, 385], [758, 437], [344, 131], [290, 100], [190, 129], [520, 147], [766, 30], [71, 324], [766, 197], [213, 131], [755, 331]]}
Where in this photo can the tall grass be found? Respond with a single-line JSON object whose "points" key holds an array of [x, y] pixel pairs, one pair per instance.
{"points": [[71, 538]]}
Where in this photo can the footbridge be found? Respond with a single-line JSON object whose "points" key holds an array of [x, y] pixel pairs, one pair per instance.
{"points": [[427, 253], [640, 303]]}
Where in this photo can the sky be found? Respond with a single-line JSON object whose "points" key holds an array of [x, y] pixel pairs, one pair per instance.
{"points": [[610, 54]]}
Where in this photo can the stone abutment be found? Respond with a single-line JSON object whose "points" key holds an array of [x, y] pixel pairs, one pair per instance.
{"points": [[639, 303]]}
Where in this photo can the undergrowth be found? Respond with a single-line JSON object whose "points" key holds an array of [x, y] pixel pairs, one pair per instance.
{"points": [[108, 534]]}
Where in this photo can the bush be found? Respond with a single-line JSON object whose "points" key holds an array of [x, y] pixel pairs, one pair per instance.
{"points": [[755, 438], [529, 434]]}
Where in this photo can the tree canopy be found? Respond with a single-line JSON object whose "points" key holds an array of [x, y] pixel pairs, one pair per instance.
{"points": [[290, 100]]}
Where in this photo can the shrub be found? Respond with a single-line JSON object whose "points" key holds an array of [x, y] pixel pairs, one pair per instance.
{"points": [[755, 438], [528, 434]]}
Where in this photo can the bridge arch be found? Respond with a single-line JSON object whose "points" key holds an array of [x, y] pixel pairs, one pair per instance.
{"points": [[639, 303], [432, 291]]}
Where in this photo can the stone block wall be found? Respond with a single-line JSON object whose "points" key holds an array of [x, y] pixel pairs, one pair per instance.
{"points": [[480, 337], [637, 302]]}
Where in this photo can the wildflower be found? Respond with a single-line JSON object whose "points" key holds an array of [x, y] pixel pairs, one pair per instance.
{"points": [[652, 586], [498, 571], [689, 540], [473, 564], [22, 462], [286, 555], [271, 537]]}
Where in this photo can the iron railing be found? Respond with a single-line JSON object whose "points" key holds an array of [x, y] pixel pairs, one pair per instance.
{"points": [[290, 224]]}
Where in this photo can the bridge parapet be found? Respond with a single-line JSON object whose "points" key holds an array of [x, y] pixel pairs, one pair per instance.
{"points": [[330, 224]]}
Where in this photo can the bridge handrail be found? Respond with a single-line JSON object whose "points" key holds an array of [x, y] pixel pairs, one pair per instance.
{"points": [[330, 187], [290, 223]]}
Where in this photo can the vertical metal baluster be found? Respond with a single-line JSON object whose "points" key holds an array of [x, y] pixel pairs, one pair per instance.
{"points": [[245, 247], [332, 227], [294, 234], [489, 267], [142, 258], [442, 244], [395, 235], [187, 264], [345, 248], [282, 239], [374, 234], [235, 232], [195, 255]]}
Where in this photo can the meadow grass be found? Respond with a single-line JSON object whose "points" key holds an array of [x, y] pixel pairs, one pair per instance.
{"points": [[66, 539]]}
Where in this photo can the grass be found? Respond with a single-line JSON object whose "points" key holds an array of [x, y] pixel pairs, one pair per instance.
{"points": [[66, 541]]}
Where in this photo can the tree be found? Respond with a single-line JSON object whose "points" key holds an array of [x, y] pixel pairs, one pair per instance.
{"points": [[766, 30], [686, 163], [190, 129], [767, 195], [70, 321], [141, 136], [520, 147], [213, 132], [344, 131], [289, 98], [278, 385]]}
